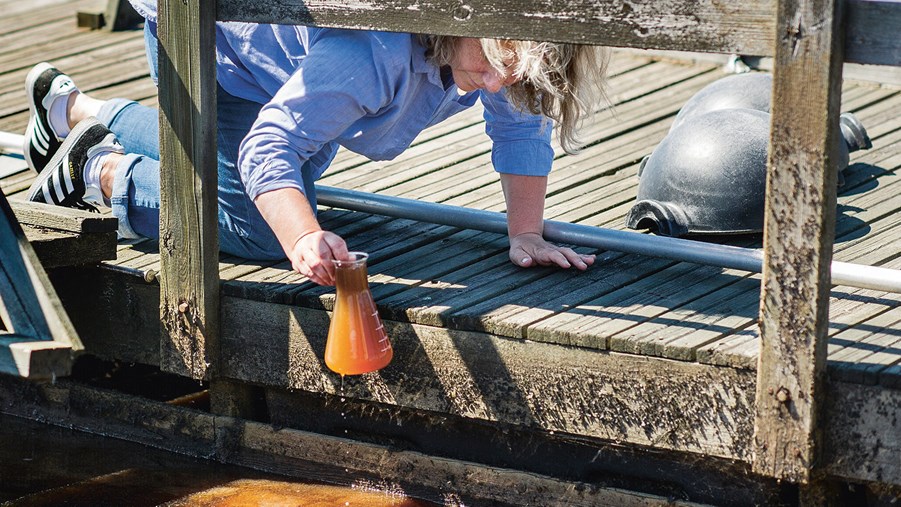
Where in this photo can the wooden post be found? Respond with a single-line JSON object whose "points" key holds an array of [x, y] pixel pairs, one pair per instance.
{"points": [[189, 245], [798, 236]]}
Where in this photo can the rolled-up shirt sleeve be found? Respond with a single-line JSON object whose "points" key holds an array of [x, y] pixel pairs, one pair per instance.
{"points": [[521, 142], [340, 80]]}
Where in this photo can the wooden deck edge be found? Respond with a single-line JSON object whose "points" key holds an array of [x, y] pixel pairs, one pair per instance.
{"points": [[60, 218], [38, 360], [654, 402], [66, 236], [62, 248], [613, 397], [264, 447], [863, 432]]}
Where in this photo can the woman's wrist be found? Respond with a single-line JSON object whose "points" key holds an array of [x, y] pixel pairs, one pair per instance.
{"points": [[525, 233], [301, 236]]}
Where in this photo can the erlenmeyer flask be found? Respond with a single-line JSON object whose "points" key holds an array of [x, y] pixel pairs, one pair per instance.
{"points": [[357, 342]]}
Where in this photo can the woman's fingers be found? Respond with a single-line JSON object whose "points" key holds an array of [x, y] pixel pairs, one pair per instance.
{"points": [[314, 255], [529, 250]]}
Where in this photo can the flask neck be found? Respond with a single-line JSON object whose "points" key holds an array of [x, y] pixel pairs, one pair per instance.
{"points": [[351, 274]]}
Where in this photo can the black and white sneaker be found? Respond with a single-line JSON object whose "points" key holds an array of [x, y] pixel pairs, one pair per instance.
{"points": [[62, 180], [43, 85]]}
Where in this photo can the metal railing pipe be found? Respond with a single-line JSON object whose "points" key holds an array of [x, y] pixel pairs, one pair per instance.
{"points": [[725, 256]]}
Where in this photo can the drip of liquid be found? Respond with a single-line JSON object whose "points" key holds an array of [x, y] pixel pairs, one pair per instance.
{"points": [[357, 342]]}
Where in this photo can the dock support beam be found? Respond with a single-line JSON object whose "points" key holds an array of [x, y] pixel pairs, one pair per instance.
{"points": [[798, 236], [189, 242]]}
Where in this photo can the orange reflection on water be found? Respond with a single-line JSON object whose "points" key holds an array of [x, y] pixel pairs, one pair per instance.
{"points": [[269, 493]]}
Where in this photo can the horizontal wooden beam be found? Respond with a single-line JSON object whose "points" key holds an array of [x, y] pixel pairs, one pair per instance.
{"points": [[59, 248], [745, 28], [302, 454], [591, 393], [27, 358], [871, 32], [706, 25], [485, 377], [61, 218]]}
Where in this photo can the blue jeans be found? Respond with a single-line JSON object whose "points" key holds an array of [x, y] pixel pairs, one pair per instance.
{"points": [[135, 199]]}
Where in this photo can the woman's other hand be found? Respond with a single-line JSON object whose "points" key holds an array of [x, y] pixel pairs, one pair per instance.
{"points": [[529, 249]]}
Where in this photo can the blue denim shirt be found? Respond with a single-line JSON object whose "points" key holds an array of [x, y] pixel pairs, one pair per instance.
{"points": [[371, 92]]}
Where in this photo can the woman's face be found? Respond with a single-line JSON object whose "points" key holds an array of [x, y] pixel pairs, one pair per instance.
{"points": [[472, 71]]}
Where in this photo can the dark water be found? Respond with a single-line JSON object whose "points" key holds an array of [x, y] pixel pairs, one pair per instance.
{"points": [[42, 465]]}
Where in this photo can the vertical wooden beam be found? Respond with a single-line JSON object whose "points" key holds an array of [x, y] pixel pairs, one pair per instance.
{"points": [[189, 244], [798, 236]]}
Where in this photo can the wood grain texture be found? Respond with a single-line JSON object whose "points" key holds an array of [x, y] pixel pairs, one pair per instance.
{"points": [[798, 236], [39, 340], [726, 27], [476, 375], [677, 25], [189, 245], [302, 454], [871, 35], [54, 248], [62, 219]]}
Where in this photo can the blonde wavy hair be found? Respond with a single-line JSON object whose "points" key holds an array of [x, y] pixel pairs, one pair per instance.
{"points": [[563, 82]]}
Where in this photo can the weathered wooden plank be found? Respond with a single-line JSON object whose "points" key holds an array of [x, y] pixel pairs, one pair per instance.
{"points": [[60, 218], [67, 52], [473, 374], [591, 323], [22, 16], [890, 376], [386, 238], [731, 316], [476, 367], [116, 314], [189, 244], [510, 312], [30, 308], [27, 357], [847, 310], [277, 364], [744, 28], [798, 235], [88, 73], [740, 350], [861, 360], [302, 454], [698, 315], [685, 26], [58, 248], [871, 33], [862, 432]]}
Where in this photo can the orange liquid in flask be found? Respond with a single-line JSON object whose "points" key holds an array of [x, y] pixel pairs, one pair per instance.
{"points": [[357, 342]]}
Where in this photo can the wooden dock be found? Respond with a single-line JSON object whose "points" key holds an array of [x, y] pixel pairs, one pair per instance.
{"points": [[637, 351]]}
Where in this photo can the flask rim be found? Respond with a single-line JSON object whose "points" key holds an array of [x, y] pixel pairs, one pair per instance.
{"points": [[356, 259]]}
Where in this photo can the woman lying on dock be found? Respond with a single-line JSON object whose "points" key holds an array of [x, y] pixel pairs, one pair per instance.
{"points": [[287, 98]]}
